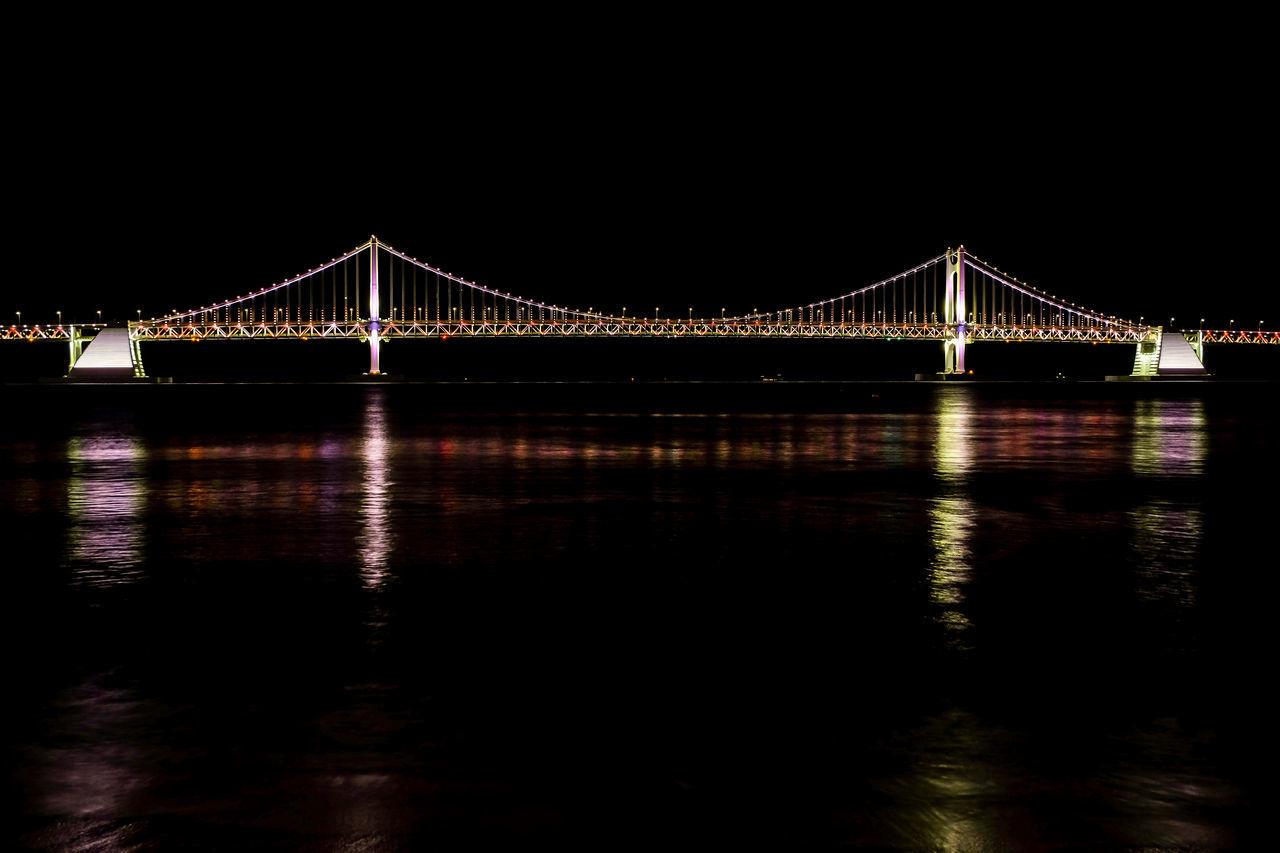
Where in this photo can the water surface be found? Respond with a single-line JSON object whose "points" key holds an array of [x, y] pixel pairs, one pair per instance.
{"points": [[346, 617]]}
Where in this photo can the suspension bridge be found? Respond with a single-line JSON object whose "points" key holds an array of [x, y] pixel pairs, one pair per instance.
{"points": [[376, 293]]}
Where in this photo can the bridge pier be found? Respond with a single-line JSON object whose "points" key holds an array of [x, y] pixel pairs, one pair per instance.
{"points": [[953, 353], [375, 346], [954, 316]]}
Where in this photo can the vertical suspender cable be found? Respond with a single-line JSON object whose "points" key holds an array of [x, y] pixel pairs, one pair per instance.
{"points": [[984, 281]]}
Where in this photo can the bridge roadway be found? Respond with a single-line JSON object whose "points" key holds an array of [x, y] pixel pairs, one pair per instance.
{"points": [[624, 327], [619, 327], [1180, 355]]}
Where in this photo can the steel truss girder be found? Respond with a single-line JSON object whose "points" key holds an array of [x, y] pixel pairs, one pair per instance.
{"points": [[214, 331], [1235, 336], [638, 328], [35, 333]]}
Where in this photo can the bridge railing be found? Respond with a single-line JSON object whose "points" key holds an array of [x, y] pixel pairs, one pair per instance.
{"points": [[634, 327], [49, 333], [1235, 336]]}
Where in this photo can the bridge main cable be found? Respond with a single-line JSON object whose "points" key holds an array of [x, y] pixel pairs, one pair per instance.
{"points": [[229, 303]]}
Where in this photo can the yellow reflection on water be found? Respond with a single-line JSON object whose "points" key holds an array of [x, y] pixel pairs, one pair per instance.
{"points": [[975, 785], [105, 503], [953, 454], [1169, 438], [951, 513], [376, 540], [950, 526], [950, 795]]}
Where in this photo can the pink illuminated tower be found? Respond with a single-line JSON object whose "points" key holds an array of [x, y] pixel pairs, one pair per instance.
{"points": [[374, 325]]}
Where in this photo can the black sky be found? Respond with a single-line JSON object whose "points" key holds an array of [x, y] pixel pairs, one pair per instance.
{"points": [[711, 163]]}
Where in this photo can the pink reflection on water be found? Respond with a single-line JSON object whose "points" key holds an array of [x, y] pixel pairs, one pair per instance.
{"points": [[96, 768], [105, 501], [1039, 437], [377, 538], [1168, 437]]}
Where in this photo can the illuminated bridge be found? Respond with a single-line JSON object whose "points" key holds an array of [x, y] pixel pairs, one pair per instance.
{"points": [[375, 292]]}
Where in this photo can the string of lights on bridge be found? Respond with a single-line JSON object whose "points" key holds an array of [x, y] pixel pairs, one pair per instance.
{"points": [[333, 300]]}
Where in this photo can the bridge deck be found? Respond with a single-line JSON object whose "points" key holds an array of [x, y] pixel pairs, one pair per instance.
{"points": [[632, 328], [639, 328]]}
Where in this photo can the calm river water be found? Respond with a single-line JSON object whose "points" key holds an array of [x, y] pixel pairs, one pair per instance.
{"points": [[344, 617]]}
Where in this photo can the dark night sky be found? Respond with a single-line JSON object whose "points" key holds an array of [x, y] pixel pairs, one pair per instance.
{"points": [[734, 163]]}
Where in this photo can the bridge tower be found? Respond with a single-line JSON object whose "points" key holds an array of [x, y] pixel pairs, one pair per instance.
{"points": [[953, 346], [374, 325]]}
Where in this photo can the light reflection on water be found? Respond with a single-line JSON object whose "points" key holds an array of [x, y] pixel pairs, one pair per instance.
{"points": [[973, 785], [942, 800], [951, 512], [1169, 438], [661, 552], [98, 766], [106, 498], [377, 538]]}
